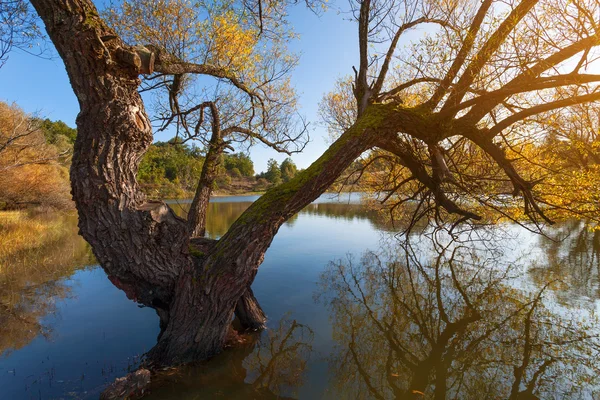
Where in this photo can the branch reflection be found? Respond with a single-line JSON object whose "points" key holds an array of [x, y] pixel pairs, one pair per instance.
{"points": [[574, 259], [267, 366], [409, 324]]}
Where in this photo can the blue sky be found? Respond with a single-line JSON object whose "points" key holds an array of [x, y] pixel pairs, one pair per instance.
{"points": [[328, 49]]}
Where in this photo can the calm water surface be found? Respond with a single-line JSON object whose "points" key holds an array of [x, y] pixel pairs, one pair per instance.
{"points": [[351, 315]]}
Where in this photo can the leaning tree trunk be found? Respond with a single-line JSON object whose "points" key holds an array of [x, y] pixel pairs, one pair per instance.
{"points": [[142, 245], [206, 296]]}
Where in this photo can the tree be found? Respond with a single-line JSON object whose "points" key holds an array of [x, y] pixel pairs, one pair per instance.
{"points": [[273, 173], [478, 111], [479, 80], [570, 151], [240, 161], [18, 27], [53, 130], [45, 185], [288, 169], [168, 169], [22, 141]]}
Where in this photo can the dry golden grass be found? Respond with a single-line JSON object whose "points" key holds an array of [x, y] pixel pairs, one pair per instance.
{"points": [[19, 232]]}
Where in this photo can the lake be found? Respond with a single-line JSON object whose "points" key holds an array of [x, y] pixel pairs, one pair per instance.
{"points": [[353, 313]]}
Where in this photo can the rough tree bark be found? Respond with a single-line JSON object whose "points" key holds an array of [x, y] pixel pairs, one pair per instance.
{"points": [[138, 242], [249, 312], [142, 245]]}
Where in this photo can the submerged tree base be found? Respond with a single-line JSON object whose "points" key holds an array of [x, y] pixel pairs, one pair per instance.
{"points": [[137, 384], [129, 387]]}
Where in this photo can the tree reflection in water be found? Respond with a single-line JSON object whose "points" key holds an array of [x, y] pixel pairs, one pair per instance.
{"points": [[221, 215], [452, 325], [38, 253], [411, 325], [267, 366], [572, 255]]}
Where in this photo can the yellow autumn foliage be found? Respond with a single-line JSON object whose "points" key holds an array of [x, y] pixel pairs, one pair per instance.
{"points": [[230, 43], [202, 32]]}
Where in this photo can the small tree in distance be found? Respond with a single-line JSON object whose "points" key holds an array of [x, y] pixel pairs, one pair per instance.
{"points": [[273, 173], [288, 169]]}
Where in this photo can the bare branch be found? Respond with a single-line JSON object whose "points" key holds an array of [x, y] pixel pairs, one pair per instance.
{"points": [[461, 56], [388, 57], [171, 65], [488, 49], [560, 56]]}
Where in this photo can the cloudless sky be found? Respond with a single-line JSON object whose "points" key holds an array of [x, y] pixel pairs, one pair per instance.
{"points": [[328, 48]]}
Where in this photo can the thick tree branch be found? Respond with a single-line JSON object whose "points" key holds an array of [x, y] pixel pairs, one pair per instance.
{"points": [[168, 64], [497, 96], [142, 245], [484, 107], [520, 116], [394, 145], [362, 92], [520, 185], [396, 90], [276, 145]]}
